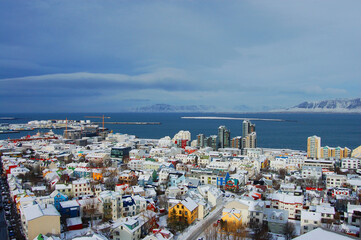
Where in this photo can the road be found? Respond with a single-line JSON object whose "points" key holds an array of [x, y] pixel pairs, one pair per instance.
{"points": [[204, 224], [3, 225], [194, 232]]}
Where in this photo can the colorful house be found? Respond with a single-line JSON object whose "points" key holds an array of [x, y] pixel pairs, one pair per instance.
{"points": [[70, 209], [186, 210], [58, 198]]}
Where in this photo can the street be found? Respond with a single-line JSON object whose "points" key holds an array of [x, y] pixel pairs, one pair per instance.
{"points": [[206, 223], [3, 225]]}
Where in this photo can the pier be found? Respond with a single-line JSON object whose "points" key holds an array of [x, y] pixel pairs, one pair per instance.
{"points": [[131, 123]]}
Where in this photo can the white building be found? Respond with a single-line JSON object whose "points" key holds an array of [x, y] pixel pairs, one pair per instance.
{"points": [[351, 163], [81, 187], [335, 181], [310, 221], [293, 204], [311, 172]]}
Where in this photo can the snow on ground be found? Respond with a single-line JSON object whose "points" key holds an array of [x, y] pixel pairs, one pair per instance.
{"points": [[198, 224], [163, 221], [75, 233], [297, 226], [277, 236]]}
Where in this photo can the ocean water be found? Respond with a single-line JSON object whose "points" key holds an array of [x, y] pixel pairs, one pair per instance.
{"points": [[334, 129]]}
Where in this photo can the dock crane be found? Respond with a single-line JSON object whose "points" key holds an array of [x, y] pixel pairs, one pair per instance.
{"points": [[98, 117]]}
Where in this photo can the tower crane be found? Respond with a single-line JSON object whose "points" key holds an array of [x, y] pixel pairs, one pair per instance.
{"points": [[98, 117]]}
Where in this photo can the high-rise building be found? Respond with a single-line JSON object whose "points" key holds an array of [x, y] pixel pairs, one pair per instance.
{"points": [[200, 140], [314, 147], [224, 137], [245, 128], [227, 138], [253, 140], [236, 142], [249, 136], [214, 141]]}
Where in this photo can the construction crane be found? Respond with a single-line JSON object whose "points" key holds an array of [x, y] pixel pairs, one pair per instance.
{"points": [[98, 117]]}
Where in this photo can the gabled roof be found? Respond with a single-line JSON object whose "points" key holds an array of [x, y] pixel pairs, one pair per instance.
{"points": [[189, 204]]}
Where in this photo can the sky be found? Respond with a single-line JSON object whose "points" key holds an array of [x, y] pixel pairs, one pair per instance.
{"points": [[114, 55]]}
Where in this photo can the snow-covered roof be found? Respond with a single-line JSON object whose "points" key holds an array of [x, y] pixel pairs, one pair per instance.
{"points": [[35, 211], [69, 204], [73, 221], [314, 216], [325, 209], [285, 198], [189, 204], [320, 233]]}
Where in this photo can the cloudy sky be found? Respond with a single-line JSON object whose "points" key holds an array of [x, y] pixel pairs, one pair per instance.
{"points": [[109, 56]]}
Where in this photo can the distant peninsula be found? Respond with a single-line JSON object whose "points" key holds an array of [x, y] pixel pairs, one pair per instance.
{"points": [[166, 108], [327, 106]]}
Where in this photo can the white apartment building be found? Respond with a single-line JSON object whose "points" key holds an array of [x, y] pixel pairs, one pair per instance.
{"points": [[150, 165], [218, 165], [293, 204], [81, 187], [311, 172], [310, 221], [335, 180], [136, 164], [351, 163]]}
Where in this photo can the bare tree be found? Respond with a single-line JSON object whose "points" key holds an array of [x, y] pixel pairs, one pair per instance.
{"points": [[282, 173], [91, 206], [289, 230], [212, 232], [162, 201], [260, 232]]}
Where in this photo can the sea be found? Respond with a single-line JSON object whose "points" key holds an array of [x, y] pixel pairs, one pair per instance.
{"points": [[342, 130]]}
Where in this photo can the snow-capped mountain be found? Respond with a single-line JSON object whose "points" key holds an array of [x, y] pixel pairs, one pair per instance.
{"points": [[336, 106]]}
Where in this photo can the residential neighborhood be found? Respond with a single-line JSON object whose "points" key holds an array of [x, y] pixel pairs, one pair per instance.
{"points": [[118, 186]]}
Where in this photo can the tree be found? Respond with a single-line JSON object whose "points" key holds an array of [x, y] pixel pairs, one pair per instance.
{"points": [[282, 173], [276, 184], [212, 232], [155, 176], [234, 231], [289, 230], [260, 232], [172, 220], [90, 208], [162, 201]]}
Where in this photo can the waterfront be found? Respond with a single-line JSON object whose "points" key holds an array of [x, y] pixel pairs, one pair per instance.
{"points": [[334, 129]]}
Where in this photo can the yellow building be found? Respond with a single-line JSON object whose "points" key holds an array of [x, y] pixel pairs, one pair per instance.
{"points": [[232, 216], [40, 219], [328, 152], [356, 153], [185, 210], [235, 213], [314, 147]]}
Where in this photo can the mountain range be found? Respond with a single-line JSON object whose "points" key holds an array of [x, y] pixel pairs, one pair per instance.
{"points": [[335, 106]]}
